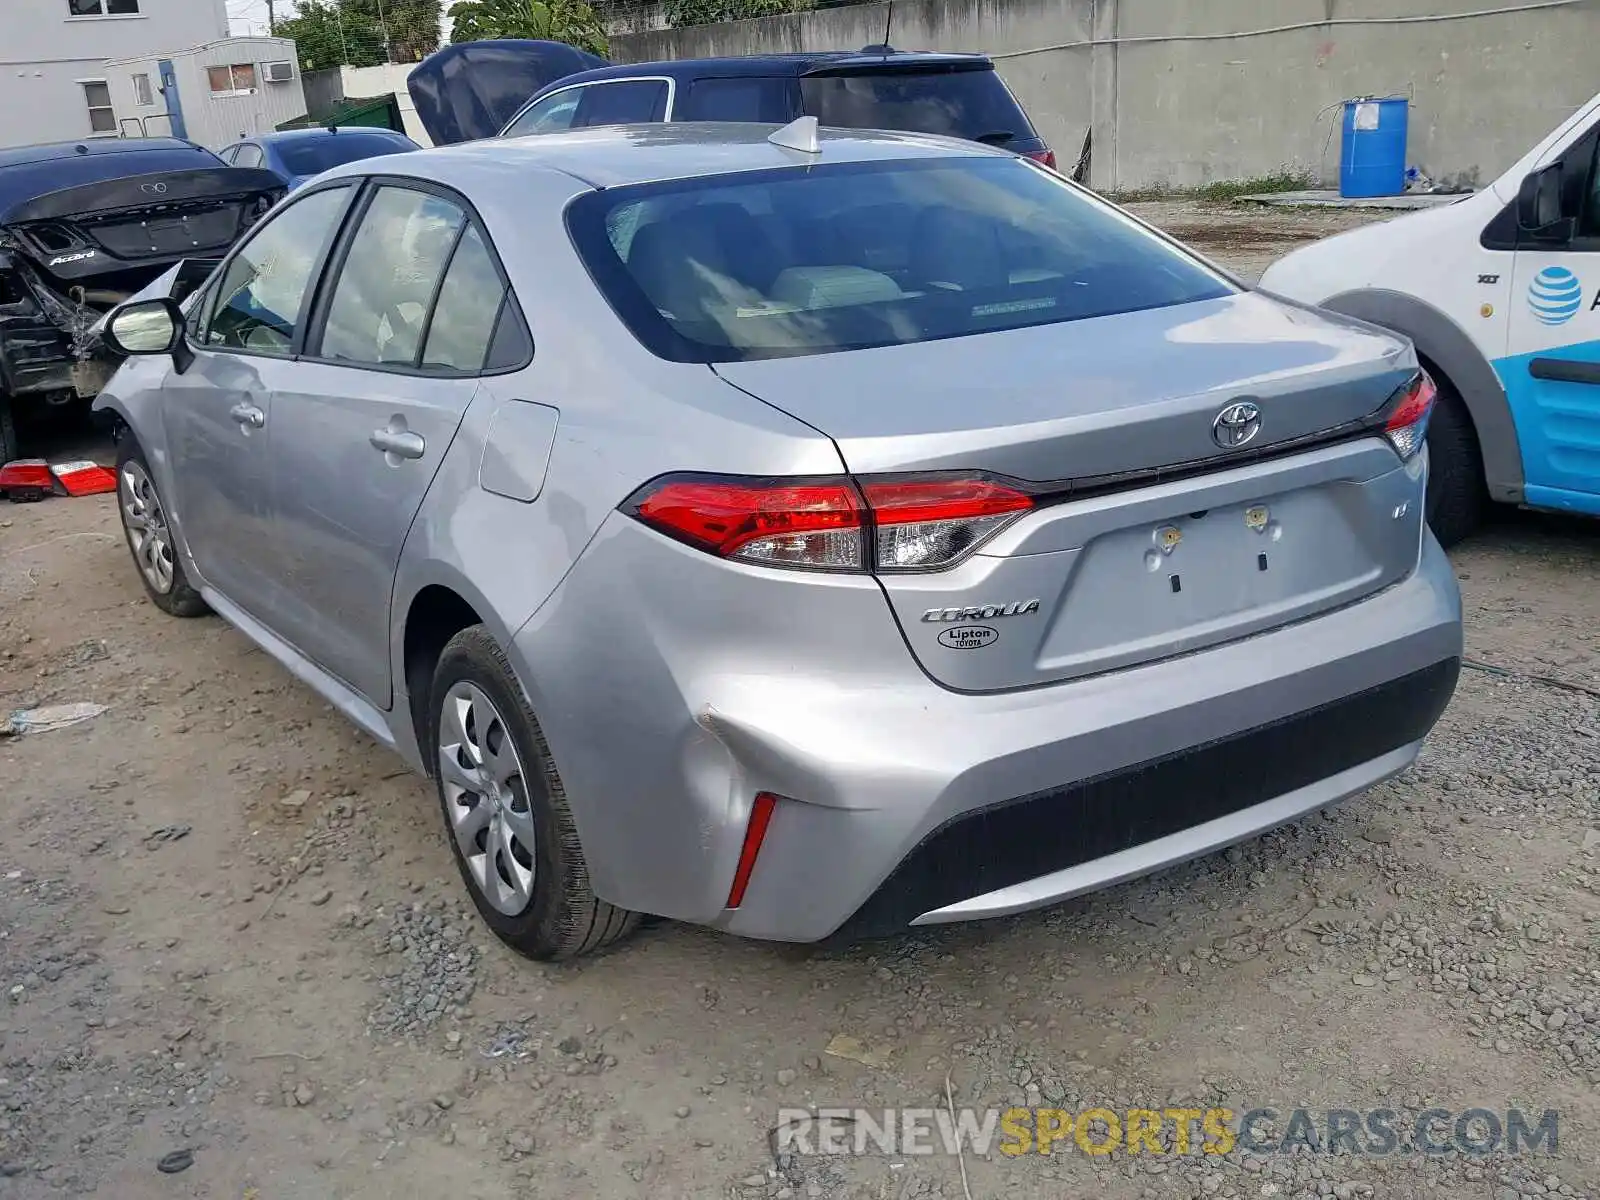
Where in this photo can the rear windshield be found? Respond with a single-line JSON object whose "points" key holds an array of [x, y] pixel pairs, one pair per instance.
{"points": [[314, 155], [804, 260], [970, 104]]}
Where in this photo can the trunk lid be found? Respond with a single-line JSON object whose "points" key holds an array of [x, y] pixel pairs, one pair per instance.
{"points": [[1194, 544], [139, 223], [470, 90]]}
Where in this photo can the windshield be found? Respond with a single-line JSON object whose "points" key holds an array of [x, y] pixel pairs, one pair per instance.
{"points": [[810, 260], [310, 156], [966, 104]]}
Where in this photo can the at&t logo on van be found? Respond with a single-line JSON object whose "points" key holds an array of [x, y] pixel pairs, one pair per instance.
{"points": [[1555, 295]]}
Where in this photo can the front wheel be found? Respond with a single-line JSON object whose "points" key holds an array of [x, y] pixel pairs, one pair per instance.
{"points": [[150, 537], [1457, 498], [506, 811]]}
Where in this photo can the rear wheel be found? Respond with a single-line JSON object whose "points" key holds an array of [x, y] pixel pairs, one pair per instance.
{"points": [[506, 811], [1457, 498], [150, 538]]}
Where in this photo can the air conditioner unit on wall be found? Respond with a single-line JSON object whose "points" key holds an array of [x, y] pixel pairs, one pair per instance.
{"points": [[278, 72]]}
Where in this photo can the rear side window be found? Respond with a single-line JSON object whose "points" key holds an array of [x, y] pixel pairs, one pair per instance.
{"points": [[626, 102], [386, 286], [247, 156], [750, 98], [469, 300], [971, 104], [817, 259]]}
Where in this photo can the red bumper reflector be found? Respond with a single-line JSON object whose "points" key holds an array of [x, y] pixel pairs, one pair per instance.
{"points": [[754, 833]]}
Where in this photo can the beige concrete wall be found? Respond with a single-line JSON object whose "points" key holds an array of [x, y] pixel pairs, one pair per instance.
{"points": [[1181, 93]]}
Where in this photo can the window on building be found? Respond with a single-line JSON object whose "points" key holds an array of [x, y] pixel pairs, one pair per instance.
{"points": [[102, 118], [103, 8], [141, 90], [232, 80]]}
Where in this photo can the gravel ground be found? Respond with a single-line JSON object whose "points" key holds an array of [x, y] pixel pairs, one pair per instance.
{"points": [[230, 932]]}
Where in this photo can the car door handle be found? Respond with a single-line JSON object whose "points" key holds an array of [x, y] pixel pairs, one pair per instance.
{"points": [[248, 414], [400, 442], [1564, 370]]}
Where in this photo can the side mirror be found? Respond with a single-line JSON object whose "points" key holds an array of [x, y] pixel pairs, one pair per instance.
{"points": [[149, 327], [1539, 215]]}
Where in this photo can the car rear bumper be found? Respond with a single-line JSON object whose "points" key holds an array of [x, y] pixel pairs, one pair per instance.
{"points": [[670, 704]]}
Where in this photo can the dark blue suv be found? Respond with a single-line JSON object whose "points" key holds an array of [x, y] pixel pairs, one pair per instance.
{"points": [[959, 95]]}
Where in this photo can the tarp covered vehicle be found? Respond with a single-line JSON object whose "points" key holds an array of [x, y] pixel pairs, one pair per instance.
{"points": [[84, 226]]}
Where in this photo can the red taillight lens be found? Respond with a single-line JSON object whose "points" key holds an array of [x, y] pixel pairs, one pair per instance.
{"points": [[754, 834], [927, 524], [780, 522], [1407, 425], [824, 524], [1047, 157]]}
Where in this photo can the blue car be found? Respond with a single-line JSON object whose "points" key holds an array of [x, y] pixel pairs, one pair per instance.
{"points": [[298, 154]]}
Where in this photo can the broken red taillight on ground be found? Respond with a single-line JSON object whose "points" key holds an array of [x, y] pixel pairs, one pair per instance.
{"points": [[923, 523], [27, 479], [1407, 425]]}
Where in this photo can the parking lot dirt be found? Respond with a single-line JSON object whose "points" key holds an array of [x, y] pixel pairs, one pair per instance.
{"points": [[231, 931]]}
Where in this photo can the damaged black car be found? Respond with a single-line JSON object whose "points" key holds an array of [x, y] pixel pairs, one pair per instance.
{"points": [[86, 225]]}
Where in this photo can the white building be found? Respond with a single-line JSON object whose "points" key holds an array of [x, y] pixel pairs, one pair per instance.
{"points": [[53, 84], [212, 94]]}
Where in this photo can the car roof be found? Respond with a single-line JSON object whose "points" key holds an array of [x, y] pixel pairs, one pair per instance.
{"points": [[322, 131], [770, 65], [17, 156], [616, 155]]}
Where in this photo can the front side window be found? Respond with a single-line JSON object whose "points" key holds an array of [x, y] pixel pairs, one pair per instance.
{"points": [[102, 117], [103, 8], [550, 115], [261, 299], [379, 311], [141, 91], [627, 102], [810, 260], [237, 79]]}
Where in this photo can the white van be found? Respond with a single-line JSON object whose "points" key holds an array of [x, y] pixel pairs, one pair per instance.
{"points": [[1501, 294]]}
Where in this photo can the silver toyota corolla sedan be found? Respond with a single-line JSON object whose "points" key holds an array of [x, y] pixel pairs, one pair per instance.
{"points": [[804, 536]]}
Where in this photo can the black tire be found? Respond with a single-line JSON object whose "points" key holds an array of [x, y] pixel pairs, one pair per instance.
{"points": [[1457, 499], [563, 918], [10, 446], [178, 599]]}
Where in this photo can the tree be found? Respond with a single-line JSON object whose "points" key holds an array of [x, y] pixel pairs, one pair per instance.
{"points": [[570, 21], [362, 33]]}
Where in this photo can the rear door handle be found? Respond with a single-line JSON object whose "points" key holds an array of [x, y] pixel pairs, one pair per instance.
{"points": [[400, 442], [248, 414]]}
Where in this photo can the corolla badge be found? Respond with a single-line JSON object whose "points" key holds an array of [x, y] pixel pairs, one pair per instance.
{"points": [[1236, 425], [1555, 295]]}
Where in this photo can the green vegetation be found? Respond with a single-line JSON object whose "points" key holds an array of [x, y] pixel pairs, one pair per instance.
{"points": [[570, 21]]}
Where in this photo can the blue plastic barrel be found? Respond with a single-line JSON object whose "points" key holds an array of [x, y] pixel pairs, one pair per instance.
{"points": [[1372, 156]]}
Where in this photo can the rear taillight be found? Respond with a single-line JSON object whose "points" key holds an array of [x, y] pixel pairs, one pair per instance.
{"points": [[1406, 426], [923, 525], [915, 524], [1047, 157]]}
